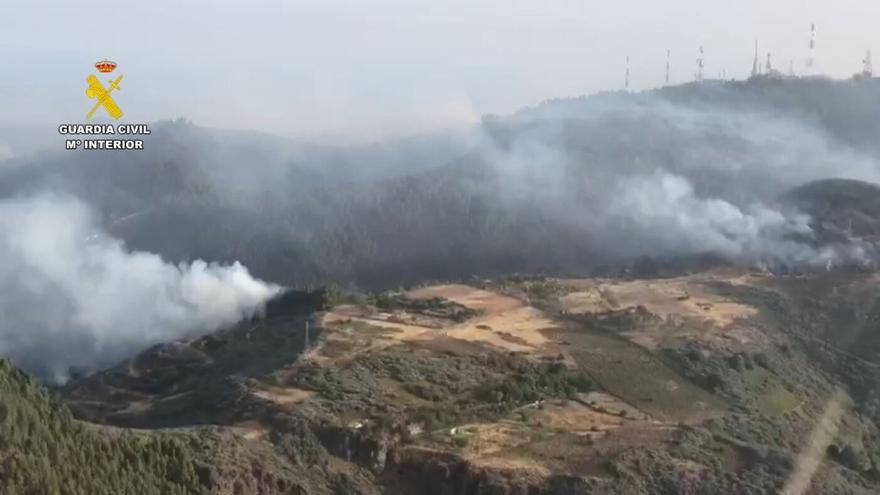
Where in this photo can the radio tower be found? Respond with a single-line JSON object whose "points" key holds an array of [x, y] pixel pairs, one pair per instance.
{"points": [[756, 66], [668, 53], [811, 61], [868, 67], [626, 78], [768, 69], [700, 65]]}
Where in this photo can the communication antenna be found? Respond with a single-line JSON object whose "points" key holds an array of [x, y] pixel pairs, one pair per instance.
{"points": [[756, 66], [868, 65], [626, 79], [811, 61], [791, 68], [668, 53], [769, 67], [700, 65]]}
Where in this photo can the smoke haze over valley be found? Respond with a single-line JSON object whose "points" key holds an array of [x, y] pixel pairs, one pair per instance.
{"points": [[588, 185]]}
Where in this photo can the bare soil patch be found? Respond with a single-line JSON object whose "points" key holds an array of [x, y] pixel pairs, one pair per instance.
{"points": [[681, 308], [478, 299], [284, 395], [672, 299]]}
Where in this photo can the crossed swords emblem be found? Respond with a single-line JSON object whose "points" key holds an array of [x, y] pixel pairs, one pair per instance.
{"points": [[96, 90]]}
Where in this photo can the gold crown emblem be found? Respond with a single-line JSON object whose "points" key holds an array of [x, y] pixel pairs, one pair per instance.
{"points": [[105, 66]]}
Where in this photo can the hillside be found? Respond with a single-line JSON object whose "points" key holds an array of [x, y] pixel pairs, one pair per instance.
{"points": [[706, 383], [486, 202], [44, 450], [840, 208]]}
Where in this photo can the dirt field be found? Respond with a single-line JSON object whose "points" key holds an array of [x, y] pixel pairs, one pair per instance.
{"points": [[483, 300], [506, 323], [685, 308], [284, 395], [347, 335], [557, 435], [673, 300]]}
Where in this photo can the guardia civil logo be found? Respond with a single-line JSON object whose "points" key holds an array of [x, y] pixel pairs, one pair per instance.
{"points": [[97, 91], [102, 134]]}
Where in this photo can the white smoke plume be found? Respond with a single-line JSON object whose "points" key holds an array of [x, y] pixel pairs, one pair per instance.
{"points": [[73, 297], [665, 209], [643, 176]]}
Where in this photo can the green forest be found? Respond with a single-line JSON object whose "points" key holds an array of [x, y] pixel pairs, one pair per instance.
{"points": [[43, 450]]}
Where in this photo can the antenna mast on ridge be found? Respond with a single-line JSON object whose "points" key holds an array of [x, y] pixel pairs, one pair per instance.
{"points": [[811, 60], [756, 67], [868, 66], [668, 53], [626, 79], [700, 65]]}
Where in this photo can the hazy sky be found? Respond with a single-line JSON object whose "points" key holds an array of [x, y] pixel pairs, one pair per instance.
{"points": [[369, 69]]}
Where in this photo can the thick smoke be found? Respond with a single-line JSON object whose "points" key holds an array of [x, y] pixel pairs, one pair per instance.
{"points": [[578, 186], [663, 211], [72, 297], [584, 185], [642, 175]]}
